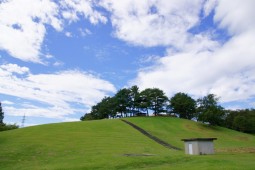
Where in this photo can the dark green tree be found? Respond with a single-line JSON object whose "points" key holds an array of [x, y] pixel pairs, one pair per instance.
{"points": [[105, 108], [241, 123], [154, 99], [108, 107], [145, 102], [1, 114], [241, 120], [134, 100], [209, 110], [94, 113], [123, 101], [183, 105], [87, 116], [4, 126]]}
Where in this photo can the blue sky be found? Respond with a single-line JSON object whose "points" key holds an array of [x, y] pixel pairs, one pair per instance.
{"points": [[58, 58]]}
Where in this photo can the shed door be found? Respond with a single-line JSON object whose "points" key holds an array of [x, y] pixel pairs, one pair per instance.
{"points": [[190, 149]]}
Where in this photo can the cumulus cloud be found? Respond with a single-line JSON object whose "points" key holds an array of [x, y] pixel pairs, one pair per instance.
{"points": [[14, 68], [58, 91], [207, 66], [153, 22], [27, 23]]}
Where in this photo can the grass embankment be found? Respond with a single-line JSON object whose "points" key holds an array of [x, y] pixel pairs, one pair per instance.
{"points": [[112, 144]]}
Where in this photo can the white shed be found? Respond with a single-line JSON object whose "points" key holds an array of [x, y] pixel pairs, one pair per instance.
{"points": [[199, 146]]}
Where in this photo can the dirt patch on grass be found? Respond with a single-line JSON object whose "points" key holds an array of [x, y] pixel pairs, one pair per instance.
{"points": [[242, 138], [134, 154], [237, 150], [196, 128]]}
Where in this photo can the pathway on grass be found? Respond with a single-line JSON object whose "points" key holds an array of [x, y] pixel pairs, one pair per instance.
{"points": [[156, 139]]}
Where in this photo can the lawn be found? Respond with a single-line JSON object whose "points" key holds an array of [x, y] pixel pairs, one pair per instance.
{"points": [[112, 144]]}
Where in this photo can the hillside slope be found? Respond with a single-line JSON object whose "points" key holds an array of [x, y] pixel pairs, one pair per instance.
{"points": [[112, 144], [174, 129]]}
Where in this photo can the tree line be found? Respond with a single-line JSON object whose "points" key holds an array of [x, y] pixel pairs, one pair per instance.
{"points": [[241, 120], [128, 102]]}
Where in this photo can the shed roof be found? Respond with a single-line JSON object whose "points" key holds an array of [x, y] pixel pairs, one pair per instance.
{"points": [[199, 139]]}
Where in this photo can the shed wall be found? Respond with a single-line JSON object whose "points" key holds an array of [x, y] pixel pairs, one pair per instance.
{"points": [[200, 147], [195, 147], [206, 147]]}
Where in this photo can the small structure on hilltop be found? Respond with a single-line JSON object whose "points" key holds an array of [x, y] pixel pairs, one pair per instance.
{"points": [[199, 146]]}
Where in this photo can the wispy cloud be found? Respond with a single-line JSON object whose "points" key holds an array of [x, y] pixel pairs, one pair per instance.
{"points": [[6, 102], [84, 32], [57, 91]]}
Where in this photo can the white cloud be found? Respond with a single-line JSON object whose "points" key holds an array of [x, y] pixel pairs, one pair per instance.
{"points": [[14, 68], [49, 56], [68, 34], [58, 63], [71, 119], [153, 22], [148, 59], [84, 32], [7, 102], [209, 6], [73, 8], [236, 16], [59, 91], [23, 26], [206, 66]]}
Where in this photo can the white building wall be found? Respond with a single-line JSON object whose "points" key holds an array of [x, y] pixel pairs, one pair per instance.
{"points": [[206, 147], [199, 147]]}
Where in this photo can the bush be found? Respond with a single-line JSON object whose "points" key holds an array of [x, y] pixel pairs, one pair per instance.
{"points": [[4, 127]]}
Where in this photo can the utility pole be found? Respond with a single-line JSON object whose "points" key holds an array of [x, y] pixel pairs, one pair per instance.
{"points": [[23, 121]]}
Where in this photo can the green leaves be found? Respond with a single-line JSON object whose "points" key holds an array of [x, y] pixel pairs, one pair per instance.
{"points": [[154, 99], [183, 105], [130, 102], [241, 120], [209, 111]]}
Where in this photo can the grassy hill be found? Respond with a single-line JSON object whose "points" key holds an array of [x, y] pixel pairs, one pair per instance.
{"points": [[112, 144]]}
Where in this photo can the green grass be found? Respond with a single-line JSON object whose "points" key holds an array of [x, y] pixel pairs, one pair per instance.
{"points": [[174, 129], [103, 145]]}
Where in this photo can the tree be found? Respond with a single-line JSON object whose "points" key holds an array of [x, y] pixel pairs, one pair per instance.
{"points": [[123, 101], [87, 116], [105, 108], [1, 114], [241, 123], [242, 120], [183, 105], [4, 126], [108, 107], [134, 99], [144, 101], [209, 111], [154, 99]]}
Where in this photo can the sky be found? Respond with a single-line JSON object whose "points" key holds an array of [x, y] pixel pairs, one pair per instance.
{"points": [[60, 57]]}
